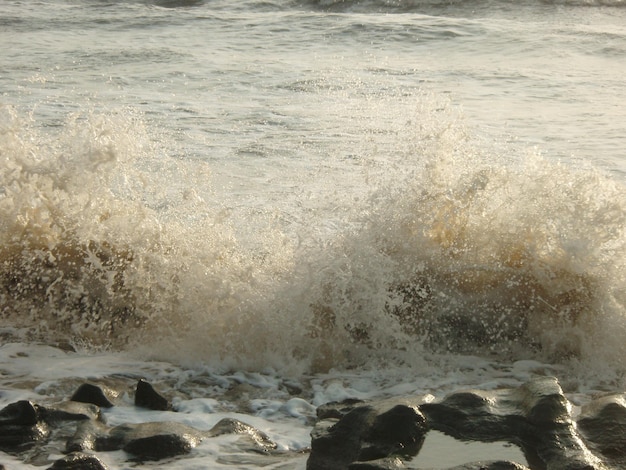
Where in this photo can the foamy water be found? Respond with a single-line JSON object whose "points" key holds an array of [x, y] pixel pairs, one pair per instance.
{"points": [[350, 199]]}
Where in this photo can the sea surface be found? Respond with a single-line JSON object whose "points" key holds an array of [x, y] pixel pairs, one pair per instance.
{"points": [[263, 206]]}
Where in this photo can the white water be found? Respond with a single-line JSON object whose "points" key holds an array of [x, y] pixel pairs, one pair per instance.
{"points": [[364, 198]]}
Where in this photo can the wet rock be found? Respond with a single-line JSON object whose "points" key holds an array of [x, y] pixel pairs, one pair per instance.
{"points": [[150, 441], [349, 435], [86, 435], [23, 412], [366, 433], [258, 439], [70, 411], [78, 461], [161, 446], [397, 431], [535, 416], [146, 441], [90, 393], [337, 409], [603, 423], [147, 397], [16, 437], [21, 426]]}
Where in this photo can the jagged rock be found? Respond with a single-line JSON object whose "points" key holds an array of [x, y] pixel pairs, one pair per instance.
{"points": [[90, 393], [150, 441], [78, 461], [365, 433], [147, 397], [21, 425], [258, 439], [603, 423]]}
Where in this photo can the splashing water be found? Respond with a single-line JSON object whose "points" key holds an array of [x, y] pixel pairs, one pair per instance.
{"points": [[456, 246]]}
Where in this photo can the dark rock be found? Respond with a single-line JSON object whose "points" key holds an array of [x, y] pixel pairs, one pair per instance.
{"points": [[397, 431], [535, 416], [18, 437], [20, 426], [470, 415], [367, 432], [147, 397], [150, 441], [23, 412], [146, 441], [90, 393], [337, 409], [543, 403], [335, 443], [78, 461], [258, 439], [161, 446], [603, 423]]}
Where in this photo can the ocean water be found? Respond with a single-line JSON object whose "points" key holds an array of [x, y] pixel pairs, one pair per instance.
{"points": [[309, 201]]}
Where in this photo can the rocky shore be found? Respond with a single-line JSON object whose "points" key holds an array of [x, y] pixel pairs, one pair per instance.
{"points": [[353, 435]]}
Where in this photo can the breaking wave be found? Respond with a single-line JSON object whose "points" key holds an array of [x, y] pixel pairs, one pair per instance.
{"points": [[106, 241]]}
